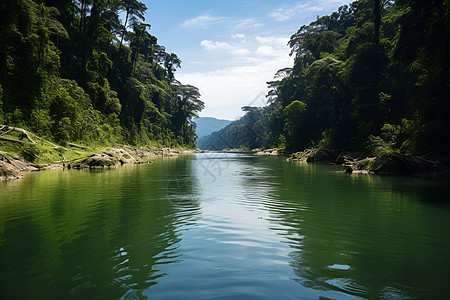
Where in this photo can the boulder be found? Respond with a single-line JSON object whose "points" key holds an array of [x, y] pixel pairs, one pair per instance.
{"points": [[11, 167], [95, 161]]}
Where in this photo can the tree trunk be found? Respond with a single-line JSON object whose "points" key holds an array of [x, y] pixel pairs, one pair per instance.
{"points": [[124, 29]]}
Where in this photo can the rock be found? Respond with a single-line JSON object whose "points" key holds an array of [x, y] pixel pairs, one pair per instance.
{"points": [[5, 172], [95, 161], [11, 166]]}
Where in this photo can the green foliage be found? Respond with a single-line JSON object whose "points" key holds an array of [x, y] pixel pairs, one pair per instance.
{"points": [[372, 76], [29, 152], [396, 138], [325, 142], [294, 114], [92, 87]]}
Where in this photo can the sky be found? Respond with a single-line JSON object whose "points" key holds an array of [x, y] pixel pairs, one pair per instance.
{"points": [[230, 49]]}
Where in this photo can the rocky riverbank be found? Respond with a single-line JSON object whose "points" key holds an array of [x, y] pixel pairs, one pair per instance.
{"points": [[270, 152], [394, 163], [13, 166]]}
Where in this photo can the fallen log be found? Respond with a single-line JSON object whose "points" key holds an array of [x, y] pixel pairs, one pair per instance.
{"points": [[11, 140], [78, 146], [20, 130]]}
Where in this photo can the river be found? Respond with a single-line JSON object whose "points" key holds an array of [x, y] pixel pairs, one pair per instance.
{"points": [[223, 226]]}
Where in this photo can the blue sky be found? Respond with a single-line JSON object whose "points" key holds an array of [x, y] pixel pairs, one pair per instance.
{"points": [[230, 49]]}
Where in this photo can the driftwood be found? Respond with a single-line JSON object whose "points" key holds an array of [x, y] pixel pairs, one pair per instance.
{"points": [[78, 146], [39, 157], [10, 128]]}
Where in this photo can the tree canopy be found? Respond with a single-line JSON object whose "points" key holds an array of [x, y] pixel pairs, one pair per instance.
{"points": [[371, 77], [73, 71]]}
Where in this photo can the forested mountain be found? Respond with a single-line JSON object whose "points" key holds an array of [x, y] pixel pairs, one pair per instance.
{"points": [[372, 77], [207, 125], [74, 71]]}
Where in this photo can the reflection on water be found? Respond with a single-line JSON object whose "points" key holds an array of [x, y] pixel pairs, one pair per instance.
{"points": [[90, 234], [223, 226]]}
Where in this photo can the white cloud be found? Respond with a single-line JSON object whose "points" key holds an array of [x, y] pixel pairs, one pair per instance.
{"points": [[225, 46], [202, 21], [210, 45], [287, 12], [239, 36], [266, 51], [227, 89], [268, 46]]}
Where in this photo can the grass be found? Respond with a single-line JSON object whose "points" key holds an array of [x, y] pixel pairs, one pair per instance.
{"points": [[48, 151]]}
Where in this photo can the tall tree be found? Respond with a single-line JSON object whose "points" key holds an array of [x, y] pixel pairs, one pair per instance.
{"points": [[188, 107], [171, 63], [134, 10]]}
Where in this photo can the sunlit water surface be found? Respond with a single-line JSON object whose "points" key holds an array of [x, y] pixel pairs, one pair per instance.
{"points": [[223, 226]]}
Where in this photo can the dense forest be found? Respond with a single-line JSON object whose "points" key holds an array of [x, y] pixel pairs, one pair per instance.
{"points": [[89, 71], [370, 77]]}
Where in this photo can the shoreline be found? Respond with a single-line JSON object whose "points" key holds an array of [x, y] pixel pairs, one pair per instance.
{"points": [[13, 166], [388, 164], [361, 163]]}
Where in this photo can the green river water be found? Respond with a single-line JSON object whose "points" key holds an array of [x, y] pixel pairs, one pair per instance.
{"points": [[224, 226]]}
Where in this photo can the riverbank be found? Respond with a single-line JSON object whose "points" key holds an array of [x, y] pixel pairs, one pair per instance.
{"points": [[22, 151], [14, 166], [389, 164]]}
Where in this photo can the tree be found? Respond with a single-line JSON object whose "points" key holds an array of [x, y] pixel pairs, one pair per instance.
{"points": [[296, 139], [111, 91], [142, 42], [134, 10], [188, 107], [171, 62]]}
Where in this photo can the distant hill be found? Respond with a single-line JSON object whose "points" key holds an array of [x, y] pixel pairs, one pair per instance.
{"points": [[207, 125], [240, 134]]}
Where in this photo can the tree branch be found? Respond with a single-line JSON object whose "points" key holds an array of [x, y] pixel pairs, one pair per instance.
{"points": [[11, 140]]}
